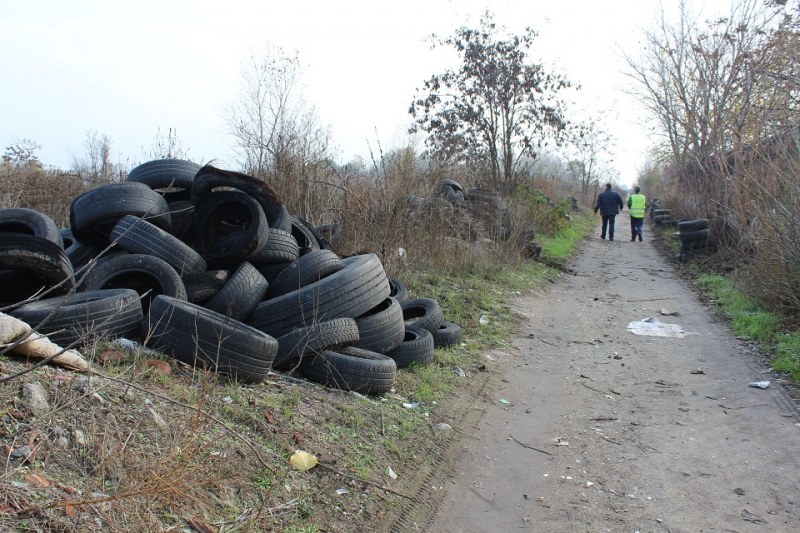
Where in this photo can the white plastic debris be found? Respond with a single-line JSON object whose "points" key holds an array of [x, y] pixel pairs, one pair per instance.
{"points": [[392, 474], [483, 320], [653, 327], [760, 384]]}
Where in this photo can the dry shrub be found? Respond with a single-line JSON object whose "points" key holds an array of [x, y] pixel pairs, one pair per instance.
{"points": [[48, 191]]}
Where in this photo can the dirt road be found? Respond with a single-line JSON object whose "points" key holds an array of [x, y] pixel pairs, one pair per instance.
{"points": [[605, 430]]}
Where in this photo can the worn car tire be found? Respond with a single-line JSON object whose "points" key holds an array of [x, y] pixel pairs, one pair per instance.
{"points": [[306, 270], [447, 334], [240, 295], [82, 317], [354, 290], [422, 312], [202, 287], [398, 290], [696, 235], [30, 221], [78, 252], [382, 328], [692, 225], [147, 275], [199, 336], [230, 226], [416, 348], [138, 236], [93, 214], [352, 369], [313, 339], [32, 265]]}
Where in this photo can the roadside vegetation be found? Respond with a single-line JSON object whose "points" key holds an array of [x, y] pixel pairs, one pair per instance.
{"points": [[724, 105]]}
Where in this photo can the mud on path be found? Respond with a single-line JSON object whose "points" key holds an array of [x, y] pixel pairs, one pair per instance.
{"points": [[605, 430]]}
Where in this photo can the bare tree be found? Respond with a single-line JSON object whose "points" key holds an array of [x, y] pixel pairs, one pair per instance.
{"points": [[588, 147], [170, 147], [278, 133], [94, 165]]}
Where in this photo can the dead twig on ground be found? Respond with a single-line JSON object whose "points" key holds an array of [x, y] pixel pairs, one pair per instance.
{"points": [[528, 446]]}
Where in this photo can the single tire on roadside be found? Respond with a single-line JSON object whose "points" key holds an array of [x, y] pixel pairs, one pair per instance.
{"points": [[422, 312], [382, 328], [447, 334], [416, 348]]}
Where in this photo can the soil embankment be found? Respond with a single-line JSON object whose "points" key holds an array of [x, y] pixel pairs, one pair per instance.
{"points": [[594, 428]]}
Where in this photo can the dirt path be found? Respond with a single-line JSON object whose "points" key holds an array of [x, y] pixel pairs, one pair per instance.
{"points": [[657, 434]]}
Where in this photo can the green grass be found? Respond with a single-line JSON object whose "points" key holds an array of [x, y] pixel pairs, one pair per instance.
{"points": [[563, 243], [750, 320]]}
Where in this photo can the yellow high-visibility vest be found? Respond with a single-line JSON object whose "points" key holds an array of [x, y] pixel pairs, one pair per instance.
{"points": [[638, 202]]}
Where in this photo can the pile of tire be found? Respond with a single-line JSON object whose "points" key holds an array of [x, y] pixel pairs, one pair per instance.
{"points": [[662, 217], [207, 265], [694, 236]]}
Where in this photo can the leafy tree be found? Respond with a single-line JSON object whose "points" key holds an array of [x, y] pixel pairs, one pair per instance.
{"points": [[497, 109]]}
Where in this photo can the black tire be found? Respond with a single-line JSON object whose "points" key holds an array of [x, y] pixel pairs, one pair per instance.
{"points": [[416, 348], [280, 248], [397, 289], [79, 253], [424, 313], [208, 178], [696, 235], [306, 240], [352, 369], [199, 336], [692, 225], [306, 270], [271, 270], [165, 174], [82, 317], [93, 214], [313, 339], [147, 275], [138, 236], [31, 222], [454, 185], [332, 233], [182, 215], [202, 287], [229, 227], [657, 212], [448, 334], [240, 295], [381, 329], [32, 265], [351, 292]]}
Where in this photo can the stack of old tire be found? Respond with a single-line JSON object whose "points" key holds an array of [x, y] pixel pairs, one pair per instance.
{"points": [[694, 235], [662, 217], [207, 265]]}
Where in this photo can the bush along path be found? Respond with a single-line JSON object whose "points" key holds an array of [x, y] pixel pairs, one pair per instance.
{"points": [[594, 427]]}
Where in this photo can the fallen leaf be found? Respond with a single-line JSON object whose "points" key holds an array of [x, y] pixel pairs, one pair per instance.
{"points": [[111, 356], [303, 461], [269, 417], [37, 480], [69, 509], [161, 367], [199, 526]]}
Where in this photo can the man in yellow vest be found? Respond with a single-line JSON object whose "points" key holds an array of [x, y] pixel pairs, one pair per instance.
{"points": [[637, 204]]}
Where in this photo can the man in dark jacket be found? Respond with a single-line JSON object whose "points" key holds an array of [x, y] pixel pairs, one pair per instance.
{"points": [[610, 204]]}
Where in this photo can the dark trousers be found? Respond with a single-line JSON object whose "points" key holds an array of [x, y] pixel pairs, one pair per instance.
{"points": [[636, 228], [608, 222]]}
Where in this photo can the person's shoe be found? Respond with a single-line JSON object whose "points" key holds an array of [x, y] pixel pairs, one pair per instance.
{"points": [[603, 237], [640, 238], [611, 239], [633, 240]]}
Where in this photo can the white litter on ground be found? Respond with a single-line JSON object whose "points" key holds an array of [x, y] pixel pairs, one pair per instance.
{"points": [[653, 327]]}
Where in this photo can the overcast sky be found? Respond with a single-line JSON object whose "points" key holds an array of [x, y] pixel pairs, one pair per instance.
{"points": [[128, 69]]}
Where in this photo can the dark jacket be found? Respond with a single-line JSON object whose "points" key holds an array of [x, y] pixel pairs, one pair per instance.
{"points": [[609, 203]]}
